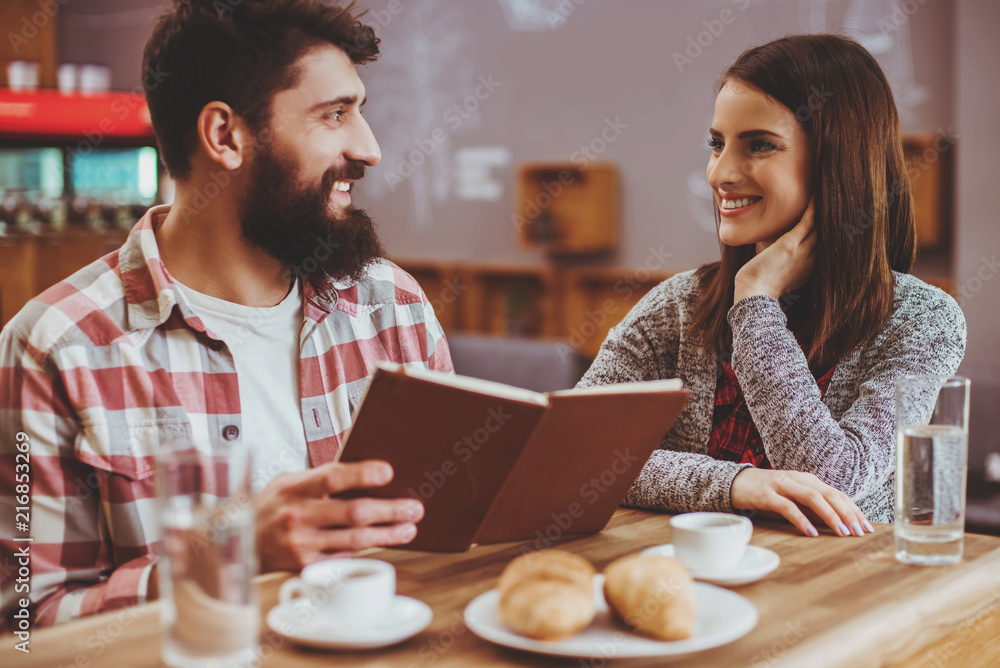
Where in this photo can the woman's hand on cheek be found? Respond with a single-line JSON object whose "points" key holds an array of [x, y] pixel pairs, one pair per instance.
{"points": [[784, 265]]}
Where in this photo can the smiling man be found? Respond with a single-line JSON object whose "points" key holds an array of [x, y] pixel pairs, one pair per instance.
{"points": [[248, 312]]}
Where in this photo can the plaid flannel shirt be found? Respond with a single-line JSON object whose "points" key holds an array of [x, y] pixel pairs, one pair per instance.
{"points": [[734, 436], [101, 366]]}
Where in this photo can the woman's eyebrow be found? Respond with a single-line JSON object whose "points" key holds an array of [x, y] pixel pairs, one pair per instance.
{"points": [[758, 133], [748, 134]]}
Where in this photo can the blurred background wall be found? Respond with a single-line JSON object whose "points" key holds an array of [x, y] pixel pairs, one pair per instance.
{"points": [[559, 76]]}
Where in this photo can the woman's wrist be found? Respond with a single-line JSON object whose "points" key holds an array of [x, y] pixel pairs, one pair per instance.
{"points": [[752, 289]]}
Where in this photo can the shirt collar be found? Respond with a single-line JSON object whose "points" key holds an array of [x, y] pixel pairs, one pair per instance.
{"points": [[150, 295], [320, 296]]}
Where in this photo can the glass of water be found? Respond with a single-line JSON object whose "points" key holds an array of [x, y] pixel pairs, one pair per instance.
{"points": [[932, 430], [209, 612]]}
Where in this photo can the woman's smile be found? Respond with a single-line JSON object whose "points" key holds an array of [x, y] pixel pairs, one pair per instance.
{"points": [[732, 205]]}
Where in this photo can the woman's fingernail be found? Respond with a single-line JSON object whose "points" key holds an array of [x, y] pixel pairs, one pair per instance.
{"points": [[408, 532], [857, 529], [869, 527], [811, 530], [843, 530]]}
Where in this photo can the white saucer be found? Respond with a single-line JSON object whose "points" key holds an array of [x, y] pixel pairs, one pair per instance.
{"points": [[299, 622], [755, 564], [721, 616]]}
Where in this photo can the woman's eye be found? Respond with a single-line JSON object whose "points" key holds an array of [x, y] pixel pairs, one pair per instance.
{"points": [[715, 144], [759, 146]]}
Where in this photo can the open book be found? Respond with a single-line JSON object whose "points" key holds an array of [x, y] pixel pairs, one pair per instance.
{"points": [[494, 463]]}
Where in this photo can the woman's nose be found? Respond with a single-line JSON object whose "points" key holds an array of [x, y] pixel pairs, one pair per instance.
{"points": [[727, 168]]}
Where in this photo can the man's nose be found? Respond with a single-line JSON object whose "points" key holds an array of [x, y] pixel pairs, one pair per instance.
{"points": [[362, 146]]}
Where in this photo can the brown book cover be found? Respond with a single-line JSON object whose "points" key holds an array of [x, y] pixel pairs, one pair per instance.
{"points": [[494, 463], [581, 460]]}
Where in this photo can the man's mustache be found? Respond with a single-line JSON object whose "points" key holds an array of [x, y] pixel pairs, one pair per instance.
{"points": [[351, 171]]}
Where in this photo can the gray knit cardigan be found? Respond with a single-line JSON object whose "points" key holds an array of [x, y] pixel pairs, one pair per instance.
{"points": [[845, 438]]}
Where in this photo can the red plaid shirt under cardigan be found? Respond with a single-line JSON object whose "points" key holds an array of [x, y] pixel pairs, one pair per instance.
{"points": [[98, 368], [734, 436]]}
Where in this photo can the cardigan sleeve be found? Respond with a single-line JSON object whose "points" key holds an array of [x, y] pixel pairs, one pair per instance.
{"points": [[644, 347], [856, 453]]}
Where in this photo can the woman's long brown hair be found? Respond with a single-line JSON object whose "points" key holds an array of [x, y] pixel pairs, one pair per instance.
{"points": [[861, 193]]}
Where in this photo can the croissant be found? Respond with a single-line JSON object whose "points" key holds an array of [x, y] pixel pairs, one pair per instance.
{"points": [[547, 595], [652, 594]]}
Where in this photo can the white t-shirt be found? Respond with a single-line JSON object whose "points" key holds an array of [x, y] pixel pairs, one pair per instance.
{"points": [[264, 343]]}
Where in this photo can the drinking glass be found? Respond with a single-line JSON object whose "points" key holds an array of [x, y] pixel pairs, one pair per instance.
{"points": [[209, 615], [932, 428]]}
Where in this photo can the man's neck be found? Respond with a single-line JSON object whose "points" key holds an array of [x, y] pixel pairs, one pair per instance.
{"points": [[204, 248]]}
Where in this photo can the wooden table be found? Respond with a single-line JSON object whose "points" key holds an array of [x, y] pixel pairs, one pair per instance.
{"points": [[832, 602]]}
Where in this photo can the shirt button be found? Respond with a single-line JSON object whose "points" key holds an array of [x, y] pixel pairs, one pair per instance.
{"points": [[230, 432]]}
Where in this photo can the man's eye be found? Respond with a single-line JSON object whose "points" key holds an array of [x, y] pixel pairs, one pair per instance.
{"points": [[335, 115]]}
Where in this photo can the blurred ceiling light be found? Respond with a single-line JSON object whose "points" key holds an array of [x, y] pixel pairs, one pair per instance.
{"points": [[537, 15]]}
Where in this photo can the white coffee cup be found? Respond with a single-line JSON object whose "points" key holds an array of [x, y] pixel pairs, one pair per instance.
{"points": [[22, 75], [710, 542], [94, 78], [343, 592], [68, 76]]}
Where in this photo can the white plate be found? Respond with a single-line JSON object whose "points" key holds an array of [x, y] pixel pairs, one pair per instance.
{"points": [[301, 624], [755, 564], [721, 616]]}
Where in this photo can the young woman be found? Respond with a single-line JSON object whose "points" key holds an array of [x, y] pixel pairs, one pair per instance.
{"points": [[791, 343]]}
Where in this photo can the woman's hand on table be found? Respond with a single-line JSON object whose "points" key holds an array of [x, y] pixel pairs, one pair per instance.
{"points": [[784, 265], [794, 495], [299, 523]]}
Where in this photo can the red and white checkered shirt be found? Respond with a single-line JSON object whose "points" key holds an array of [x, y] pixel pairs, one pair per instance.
{"points": [[101, 366]]}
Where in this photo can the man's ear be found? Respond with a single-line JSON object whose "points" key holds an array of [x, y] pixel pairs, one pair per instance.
{"points": [[223, 135]]}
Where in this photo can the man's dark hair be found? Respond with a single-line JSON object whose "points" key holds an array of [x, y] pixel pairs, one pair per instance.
{"points": [[241, 52]]}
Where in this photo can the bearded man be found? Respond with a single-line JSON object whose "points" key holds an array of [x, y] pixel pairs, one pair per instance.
{"points": [[249, 312]]}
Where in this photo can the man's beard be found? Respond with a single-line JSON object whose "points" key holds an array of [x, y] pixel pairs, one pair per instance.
{"points": [[295, 225]]}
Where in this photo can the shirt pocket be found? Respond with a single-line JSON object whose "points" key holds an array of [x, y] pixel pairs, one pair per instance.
{"points": [[128, 449]]}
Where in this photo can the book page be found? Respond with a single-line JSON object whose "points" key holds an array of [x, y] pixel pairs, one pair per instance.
{"points": [[671, 384], [478, 385]]}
